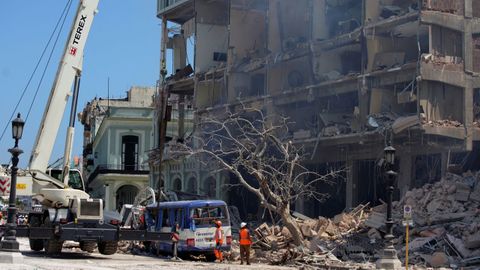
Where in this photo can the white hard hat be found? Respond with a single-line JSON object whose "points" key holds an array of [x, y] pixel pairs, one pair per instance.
{"points": [[243, 224]]}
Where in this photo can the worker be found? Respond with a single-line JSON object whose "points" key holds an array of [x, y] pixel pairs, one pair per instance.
{"points": [[218, 241], [175, 239], [245, 243]]}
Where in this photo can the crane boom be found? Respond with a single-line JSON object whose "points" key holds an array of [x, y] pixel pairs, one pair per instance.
{"points": [[70, 66]]}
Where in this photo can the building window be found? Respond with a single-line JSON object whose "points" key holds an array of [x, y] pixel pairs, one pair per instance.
{"points": [[177, 184], [130, 153], [126, 195], [210, 187], [192, 185]]}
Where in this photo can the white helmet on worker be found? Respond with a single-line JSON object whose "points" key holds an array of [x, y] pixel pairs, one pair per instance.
{"points": [[243, 224]]}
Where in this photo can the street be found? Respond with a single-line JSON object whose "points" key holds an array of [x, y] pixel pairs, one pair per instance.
{"points": [[75, 260]]}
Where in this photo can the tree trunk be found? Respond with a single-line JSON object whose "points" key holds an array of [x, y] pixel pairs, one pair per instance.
{"points": [[291, 225]]}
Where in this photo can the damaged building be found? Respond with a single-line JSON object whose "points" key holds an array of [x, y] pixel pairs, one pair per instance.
{"points": [[353, 75]]}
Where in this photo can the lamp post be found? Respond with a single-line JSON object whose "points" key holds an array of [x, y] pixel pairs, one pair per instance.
{"points": [[389, 259], [9, 243]]}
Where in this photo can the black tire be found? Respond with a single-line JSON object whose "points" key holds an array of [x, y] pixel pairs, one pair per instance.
{"points": [[52, 246], [148, 246], [88, 246], [210, 257], [35, 244], [107, 247]]}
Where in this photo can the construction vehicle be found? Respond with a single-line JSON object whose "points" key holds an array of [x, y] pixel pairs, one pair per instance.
{"points": [[60, 210]]}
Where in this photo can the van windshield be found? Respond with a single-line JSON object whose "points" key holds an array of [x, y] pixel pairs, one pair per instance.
{"points": [[206, 215]]}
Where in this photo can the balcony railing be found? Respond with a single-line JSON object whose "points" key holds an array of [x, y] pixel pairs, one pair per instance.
{"points": [[138, 169], [164, 5]]}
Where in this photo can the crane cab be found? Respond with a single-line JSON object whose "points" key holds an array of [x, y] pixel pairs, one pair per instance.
{"points": [[75, 179]]}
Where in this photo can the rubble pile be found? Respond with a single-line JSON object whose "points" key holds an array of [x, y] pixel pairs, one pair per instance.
{"points": [[325, 239], [446, 230], [443, 123], [447, 221]]}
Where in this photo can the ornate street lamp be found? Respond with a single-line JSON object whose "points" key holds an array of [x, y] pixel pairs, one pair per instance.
{"points": [[9, 243], [389, 259]]}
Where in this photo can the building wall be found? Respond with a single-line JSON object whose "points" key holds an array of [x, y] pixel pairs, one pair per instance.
{"points": [[349, 74]]}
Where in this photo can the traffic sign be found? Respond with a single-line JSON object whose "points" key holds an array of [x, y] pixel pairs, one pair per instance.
{"points": [[407, 212]]}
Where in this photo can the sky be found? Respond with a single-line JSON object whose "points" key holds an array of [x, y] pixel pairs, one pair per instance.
{"points": [[123, 45]]}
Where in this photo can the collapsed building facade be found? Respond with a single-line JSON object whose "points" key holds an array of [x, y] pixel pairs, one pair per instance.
{"points": [[352, 75]]}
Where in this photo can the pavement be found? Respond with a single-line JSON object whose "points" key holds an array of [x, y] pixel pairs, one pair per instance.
{"points": [[71, 259]]}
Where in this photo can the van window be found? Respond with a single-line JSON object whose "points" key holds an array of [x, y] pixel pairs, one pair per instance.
{"points": [[206, 215], [165, 218], [179, 217]]}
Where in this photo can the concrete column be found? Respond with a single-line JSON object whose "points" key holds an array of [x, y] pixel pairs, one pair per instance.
{"points": [[181, 117], [349, 187], [107, 198], [405, 174], [468, 9], [468, 91], [445, 161]]}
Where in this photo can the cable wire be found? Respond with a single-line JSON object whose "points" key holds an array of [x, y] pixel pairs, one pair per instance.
{"points": [[48, 61], [35, 69]]}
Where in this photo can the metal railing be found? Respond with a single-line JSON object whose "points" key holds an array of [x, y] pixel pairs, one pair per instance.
{"points": [[119, 169], [163, 5]]}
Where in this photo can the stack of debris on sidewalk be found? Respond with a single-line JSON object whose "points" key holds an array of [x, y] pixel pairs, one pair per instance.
{"points": [[326, 239], [447, 221], [446, 230]]}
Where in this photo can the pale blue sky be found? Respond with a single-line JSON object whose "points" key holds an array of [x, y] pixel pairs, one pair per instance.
{"points": [[123, 44]]}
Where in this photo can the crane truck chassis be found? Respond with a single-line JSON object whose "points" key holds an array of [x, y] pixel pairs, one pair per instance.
{"points": [[89, 234]]}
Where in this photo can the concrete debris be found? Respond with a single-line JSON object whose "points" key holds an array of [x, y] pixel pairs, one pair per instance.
{"points": [[446, 221], [445, 232], [324, 238], [385, 60], [403, 123], [438, 259], [443, 123], [450, 6]]}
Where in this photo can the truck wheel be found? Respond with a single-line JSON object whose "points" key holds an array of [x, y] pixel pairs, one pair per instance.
{"points": [[53, 246], [35, 244], [88, 246], [107, 247]]}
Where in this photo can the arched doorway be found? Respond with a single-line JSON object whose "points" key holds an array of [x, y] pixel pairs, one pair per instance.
{"points": [[210, 187], [177, 184], [192, 185], [126, 195]]}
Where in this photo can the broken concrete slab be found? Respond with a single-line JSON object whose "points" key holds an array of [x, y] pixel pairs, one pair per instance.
{"points": [[458, 245], [388, 59], [462, 192], [403, 123], [473, 241], [438, 259], [375, 220]]}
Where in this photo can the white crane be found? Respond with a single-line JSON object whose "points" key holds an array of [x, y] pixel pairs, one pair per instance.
{"points": [[69, 70]]}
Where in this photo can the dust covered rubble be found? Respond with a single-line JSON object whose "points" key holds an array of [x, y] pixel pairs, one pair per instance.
{"points": [[445, 232]]}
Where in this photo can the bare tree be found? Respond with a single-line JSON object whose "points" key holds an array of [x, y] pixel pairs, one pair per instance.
{"points": [[254, 147]]}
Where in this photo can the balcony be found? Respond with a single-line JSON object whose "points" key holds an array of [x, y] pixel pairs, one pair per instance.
{"points": [[178, 11], [137, 169]]}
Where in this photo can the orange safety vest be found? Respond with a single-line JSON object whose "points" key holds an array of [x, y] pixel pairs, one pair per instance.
{"points": [[245, 237]]}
